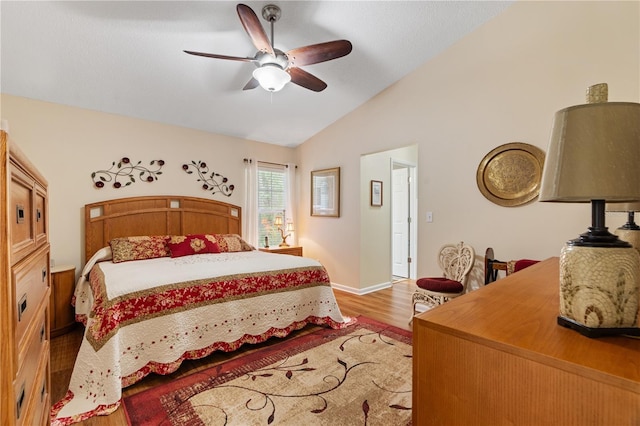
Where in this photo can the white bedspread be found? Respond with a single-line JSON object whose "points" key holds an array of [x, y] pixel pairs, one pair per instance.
{"points": [[127, 336]]}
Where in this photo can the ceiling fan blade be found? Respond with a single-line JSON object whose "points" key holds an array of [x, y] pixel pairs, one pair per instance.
{"points": [[306, 80], [213, 55], [320, 52], [251, 84], [253, 27]]}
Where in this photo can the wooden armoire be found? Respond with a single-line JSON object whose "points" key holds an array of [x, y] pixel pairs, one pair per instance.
{"points": [[24, 290]]}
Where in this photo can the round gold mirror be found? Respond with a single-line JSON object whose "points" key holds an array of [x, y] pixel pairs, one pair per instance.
{"points": [[510, 174]]}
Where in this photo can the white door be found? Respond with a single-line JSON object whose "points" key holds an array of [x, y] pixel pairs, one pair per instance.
{"points": [[400, 222]]}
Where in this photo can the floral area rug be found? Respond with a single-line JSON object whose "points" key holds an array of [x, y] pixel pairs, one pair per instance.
{"points": [[360, 375]]}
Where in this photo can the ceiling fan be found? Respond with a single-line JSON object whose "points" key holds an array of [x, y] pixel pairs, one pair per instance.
{"points": [[276, 68]]}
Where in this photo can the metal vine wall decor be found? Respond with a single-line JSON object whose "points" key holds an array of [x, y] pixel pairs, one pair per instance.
{"points": [[214, 182], [122, 173]]}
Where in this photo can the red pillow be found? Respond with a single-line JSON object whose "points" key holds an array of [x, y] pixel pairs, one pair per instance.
{"points": [[186, 245]]}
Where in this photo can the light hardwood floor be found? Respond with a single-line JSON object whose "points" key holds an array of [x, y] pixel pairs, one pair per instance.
{"points": [[391, 306]]}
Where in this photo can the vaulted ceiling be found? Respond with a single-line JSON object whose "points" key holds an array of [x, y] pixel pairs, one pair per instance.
{"points": [[126, 57]]}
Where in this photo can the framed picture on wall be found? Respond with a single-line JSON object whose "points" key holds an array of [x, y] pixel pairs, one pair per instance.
{"points": [[325, 192], [376, 193]]}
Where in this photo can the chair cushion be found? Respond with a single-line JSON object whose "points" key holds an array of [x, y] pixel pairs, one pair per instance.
{"points": [[523, 263], [440, 284]]}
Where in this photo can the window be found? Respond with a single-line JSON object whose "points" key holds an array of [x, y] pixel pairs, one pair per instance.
{"points": [[272, 198]]}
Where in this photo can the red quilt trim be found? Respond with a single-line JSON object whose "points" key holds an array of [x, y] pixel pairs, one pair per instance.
{"points": [[109, 315]]}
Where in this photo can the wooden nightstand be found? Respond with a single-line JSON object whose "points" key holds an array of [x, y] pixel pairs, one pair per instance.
{"points": [[293, 250], [61, 313]]}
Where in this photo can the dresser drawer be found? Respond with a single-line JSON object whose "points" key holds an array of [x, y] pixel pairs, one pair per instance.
{"points": [[31, 283], [32, 371], [43, 409], [21, 214], [40, 215], [38, 407]]}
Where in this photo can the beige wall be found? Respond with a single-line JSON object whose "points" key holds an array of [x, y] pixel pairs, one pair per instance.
{"points": [[66, 144], [501, 84]]}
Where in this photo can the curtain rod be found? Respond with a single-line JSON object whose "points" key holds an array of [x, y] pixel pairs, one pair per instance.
{"points": [[249, 160]]}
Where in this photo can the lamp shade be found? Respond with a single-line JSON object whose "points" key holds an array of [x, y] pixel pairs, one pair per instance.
{"points": [[623, 207], [271, 77], [593, 154]]}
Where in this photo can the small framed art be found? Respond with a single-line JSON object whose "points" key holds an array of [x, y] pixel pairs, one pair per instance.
{"points": [[376, 193], [325, 192]]}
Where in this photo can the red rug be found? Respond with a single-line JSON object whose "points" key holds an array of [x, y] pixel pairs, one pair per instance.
{"points": [[360, 375]]}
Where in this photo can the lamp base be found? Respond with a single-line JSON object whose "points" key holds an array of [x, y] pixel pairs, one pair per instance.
{"points": [[630, 235], [597, 332], [599, 286]]}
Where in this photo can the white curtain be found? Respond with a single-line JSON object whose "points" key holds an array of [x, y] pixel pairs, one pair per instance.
{"points": [[250, 211], [290, 201]]}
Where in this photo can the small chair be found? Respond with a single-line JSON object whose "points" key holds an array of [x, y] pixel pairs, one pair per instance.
{"points": [[492, 266], [514, 266], [456, 261]]}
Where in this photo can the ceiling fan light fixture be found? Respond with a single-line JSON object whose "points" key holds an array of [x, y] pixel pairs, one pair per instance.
{"points": [[271, 77]]}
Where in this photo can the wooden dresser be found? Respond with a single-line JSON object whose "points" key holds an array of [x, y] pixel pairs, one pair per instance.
{"points": [[24, 291], [496, 356]]}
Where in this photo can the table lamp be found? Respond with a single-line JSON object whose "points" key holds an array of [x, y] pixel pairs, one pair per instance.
{"points": [[289, 227], [593, 157], [630, 231]]}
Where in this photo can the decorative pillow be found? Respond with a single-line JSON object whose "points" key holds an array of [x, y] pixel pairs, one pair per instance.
{"points": [[138, 248], [185, 245], [232, 243]]}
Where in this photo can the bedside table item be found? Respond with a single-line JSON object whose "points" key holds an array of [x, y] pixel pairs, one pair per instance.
{"points": [[293, 250], [61, 313]]}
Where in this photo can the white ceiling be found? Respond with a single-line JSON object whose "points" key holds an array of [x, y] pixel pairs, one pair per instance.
{"points": [[125, 57]]}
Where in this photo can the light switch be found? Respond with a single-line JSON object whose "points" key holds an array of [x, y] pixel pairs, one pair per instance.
{"points": [[429, 217]]}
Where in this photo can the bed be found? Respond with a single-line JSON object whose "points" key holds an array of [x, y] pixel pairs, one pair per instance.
{"points": [[169, 278]]}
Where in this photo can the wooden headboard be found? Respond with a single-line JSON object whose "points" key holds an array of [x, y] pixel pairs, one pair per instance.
{"points": [[156, 215]]}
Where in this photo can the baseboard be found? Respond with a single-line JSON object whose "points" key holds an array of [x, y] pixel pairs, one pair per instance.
{"points": [[361, 291]]}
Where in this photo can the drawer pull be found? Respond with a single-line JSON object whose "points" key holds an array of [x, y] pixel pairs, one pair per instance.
{"points": [[43, 391], [20, 213], [38, 215], [44, 273], [42, 333], [19, 402], [22, 306]]}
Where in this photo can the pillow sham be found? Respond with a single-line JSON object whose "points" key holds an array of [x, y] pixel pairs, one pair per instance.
{"points": [[186, 245], [139, 248], [232, 243], [101, 255]]}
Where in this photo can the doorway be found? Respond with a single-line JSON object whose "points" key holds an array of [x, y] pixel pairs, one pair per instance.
{"points": [[376, 234], [402, 220]]}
